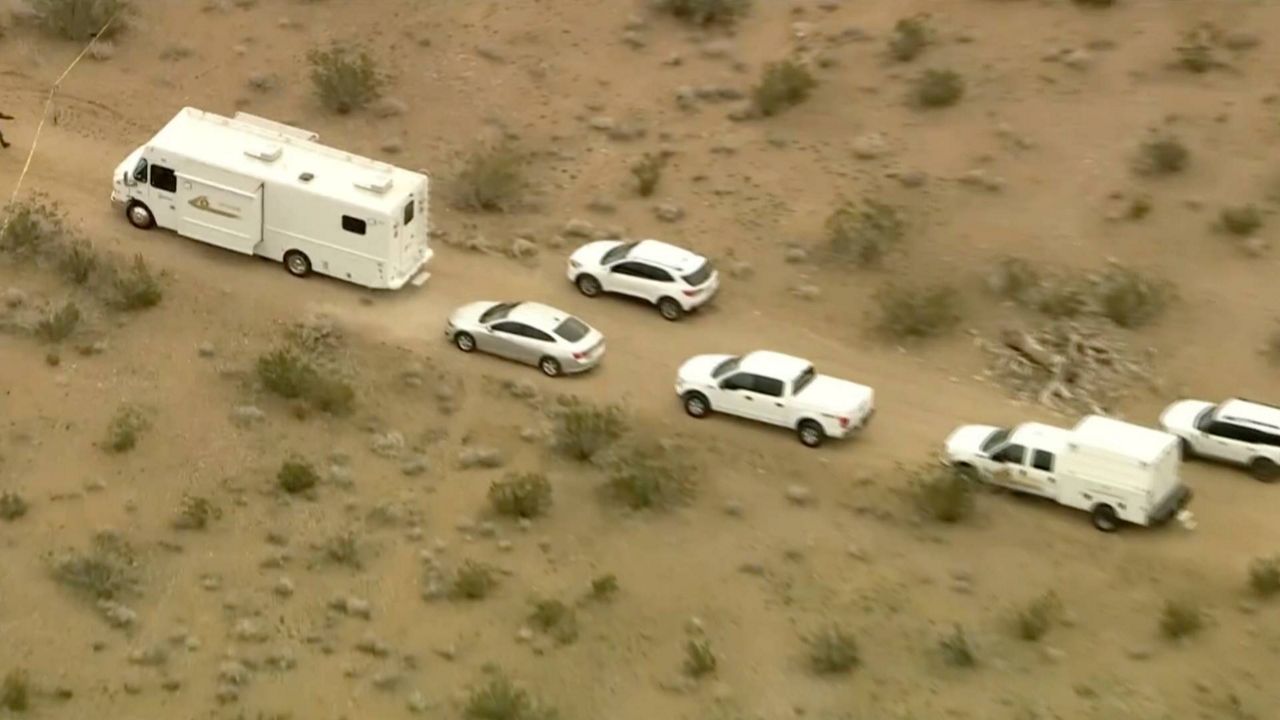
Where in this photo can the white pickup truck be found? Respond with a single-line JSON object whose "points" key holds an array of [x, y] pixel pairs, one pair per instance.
{"points": [[1115, 470], [777, 389]]}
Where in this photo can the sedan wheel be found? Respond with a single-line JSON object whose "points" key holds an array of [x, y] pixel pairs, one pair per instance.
{"points": [[549, 366], [465, 342]]}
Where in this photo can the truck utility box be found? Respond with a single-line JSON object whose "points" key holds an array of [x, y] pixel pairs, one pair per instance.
{"points": [[260, 187]]}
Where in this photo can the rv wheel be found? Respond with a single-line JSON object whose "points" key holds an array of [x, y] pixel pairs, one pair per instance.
{"points": [[298, 264], [1104, 518], [1264, 470], [140, 216]]}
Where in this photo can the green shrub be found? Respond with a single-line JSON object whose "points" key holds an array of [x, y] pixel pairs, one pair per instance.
{"points": [[1162, 156], [937, 89], [784, 84], [60, 324], [916, 311], [345, 79], [526, 495], [296, 476], [651, 476], [647, 172], [125, 427], [583, 431], [498, 698], [944, 493], [15, 692], [555, 619], [956, 649], [12, 506], [79, 20], [474, 581], [136, 288], [1240, 220], [699, 660], [1037, 618], [910, 38], [491, 179], [1181, 619], [1264, 576], [832, 651], [864, 235], [705, 12], [288, 374]]}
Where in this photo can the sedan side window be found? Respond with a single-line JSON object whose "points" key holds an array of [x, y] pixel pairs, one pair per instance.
{"points": [[741, 381], [536, 334], [510, 328], [1012, 454]]}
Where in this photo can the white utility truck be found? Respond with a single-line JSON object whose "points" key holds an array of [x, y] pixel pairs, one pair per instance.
{"points": [[259, 187], [1113, 469]]}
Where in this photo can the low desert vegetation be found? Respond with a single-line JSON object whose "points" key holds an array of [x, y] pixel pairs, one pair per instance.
{"points": [[1158, 156], [500, 698], [699, 659], [1197, 53], [910, 38], [60, 324], [136, 287], [126, 426], [1264, 576], [583, 431], [937, 89], [832, 651], [79, 262], [917, 311], [15, 691], [1095, 3], [647, 172], [523, 495], [474, 581], [1181, 619], [783, 85], [290, 374], [956, 648], [556, 620], [1126, 296], [604, 587], [943, 493], [705, 12], [344, 549], [107, 571], [1129, 298], [79, 20], [1034, 621], [12, 506], [864, 234], [1240, 220], [345, 79], [195, 513], [651, 475], [296, 475], [492, 179]]}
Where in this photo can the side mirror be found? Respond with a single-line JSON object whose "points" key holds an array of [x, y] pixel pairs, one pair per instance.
{"points": [[128, 179]]}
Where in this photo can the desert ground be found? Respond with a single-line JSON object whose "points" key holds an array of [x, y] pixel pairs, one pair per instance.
{"points": [[152, 563]]}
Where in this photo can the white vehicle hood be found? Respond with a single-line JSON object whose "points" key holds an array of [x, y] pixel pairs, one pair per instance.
{"points": [[697, 369], [1181, 415], [835, 396], [589, 255], [965, 442]]}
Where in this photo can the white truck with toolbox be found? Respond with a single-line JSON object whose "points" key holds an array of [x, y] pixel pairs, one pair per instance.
{"points": [[1114, 470], [259, 187]]}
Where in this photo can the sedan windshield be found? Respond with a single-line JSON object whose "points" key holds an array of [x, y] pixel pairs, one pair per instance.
{"points": [[994, 440], [497, 312], [803, 379], [618, 252], [572, 329], [699, 276], [725, 367]]}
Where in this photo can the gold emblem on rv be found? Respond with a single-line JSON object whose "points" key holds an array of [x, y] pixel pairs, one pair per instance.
{"points": [[202, 203]]}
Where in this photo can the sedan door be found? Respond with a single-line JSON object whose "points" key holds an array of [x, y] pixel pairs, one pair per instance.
{"points": [[506, 339]]}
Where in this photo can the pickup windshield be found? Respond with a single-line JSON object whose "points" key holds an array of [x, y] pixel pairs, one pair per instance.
{"points": [[725, 367], [572, 329], [617, 252], [700, 275], [803, 379], [497, 312], [994, 440]]}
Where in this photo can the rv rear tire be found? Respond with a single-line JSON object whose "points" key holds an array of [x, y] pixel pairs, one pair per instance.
{"points": [[140, 216], [297, 263], [1104, 518]]}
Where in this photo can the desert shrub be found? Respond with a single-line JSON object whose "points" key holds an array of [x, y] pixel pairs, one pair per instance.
{"points": [[604, 587], [126, 425], [296, 475], [105, 572], [1014, 278], [35, 228], [937, 89], [59, 324], [344, 79], [1240, 220], [555, 619], [782, 85], [526, 495], [12, 506], [195, 513], [1195, 54], [474, 581], [1162, 156], [1181, 619], [15, 691], [136, 288], [491, 179], [864, 235], [344, 549], [498, 698], [910, 38], [78, 20], [1264, 576], [288, 374], [943, 493], [699, 659], [832, 651], [1095, 3], [647, 172], [582, 431], [1128, 298], [956, 649], [651, 475], [905, 311], [1036, 619], [79, 261], [705, 12]]}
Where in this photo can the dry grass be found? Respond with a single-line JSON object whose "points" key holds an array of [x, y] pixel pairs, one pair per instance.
{"points": [[59, 324], [699, 659], [15, 692], [79, 20], [705, 12], [943, 493], [491, 179], [345, 79], [1181, 619], [957, 650], [864, 234], [125, 427], [12, 506], [1264, 576], [524, 495], [910, 38], [583, 431], [136, 287], [832, 651], [650, 475], [296, 476], [647, 172], [783, 85], [555, 619], [499, 698], [106, 572], [915, 311], [1035, 620], [289, 374], [1162, 156], [195, 513], [937, 89], [474, 581]]}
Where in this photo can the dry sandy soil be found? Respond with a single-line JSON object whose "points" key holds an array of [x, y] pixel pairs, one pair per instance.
{"points": [[238, 620]]}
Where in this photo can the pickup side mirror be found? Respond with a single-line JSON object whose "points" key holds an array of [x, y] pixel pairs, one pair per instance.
{"points": [[128, 179]]}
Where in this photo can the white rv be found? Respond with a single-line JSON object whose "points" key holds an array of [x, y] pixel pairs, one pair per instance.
{"points": [[259, 187], [1114, 470]]}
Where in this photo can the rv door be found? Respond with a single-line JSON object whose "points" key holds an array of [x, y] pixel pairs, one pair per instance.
{"points": [[217, 214]]}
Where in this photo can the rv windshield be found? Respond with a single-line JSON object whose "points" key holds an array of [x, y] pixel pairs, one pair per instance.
{"points": [[497, 312], [617, 252], [994, 440]]}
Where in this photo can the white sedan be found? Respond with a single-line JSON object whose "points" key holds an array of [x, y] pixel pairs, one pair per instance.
{"points": [[774, 388], [671, 278]]}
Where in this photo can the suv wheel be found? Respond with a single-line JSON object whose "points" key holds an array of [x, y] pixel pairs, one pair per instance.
{"points": [[588, 285], [670, 309], [1264, 470]]}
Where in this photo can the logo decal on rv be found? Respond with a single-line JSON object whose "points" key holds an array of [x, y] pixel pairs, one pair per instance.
{"points": [[202, 203]]}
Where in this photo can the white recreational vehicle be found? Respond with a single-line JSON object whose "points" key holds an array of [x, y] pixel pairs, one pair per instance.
{"points": [[260, 187]]}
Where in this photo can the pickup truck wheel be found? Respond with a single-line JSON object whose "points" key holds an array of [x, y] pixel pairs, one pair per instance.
{"points": [[670, 309], [1104, 518], [588, 285], [140, 216], [297, 263], [811, 434], [465, 342], [697, 405], [966, 471], [1264, 470]]}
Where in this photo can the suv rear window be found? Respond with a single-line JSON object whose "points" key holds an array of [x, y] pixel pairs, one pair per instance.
{"points": [[699, 276], [572, 329]]}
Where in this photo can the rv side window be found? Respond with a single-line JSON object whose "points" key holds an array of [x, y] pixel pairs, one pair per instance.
{"points": [[162, 178], [408, 213], [1042, 460], [140, 170], [354, 225]]}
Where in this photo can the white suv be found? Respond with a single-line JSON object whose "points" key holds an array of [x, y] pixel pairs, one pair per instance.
{"points": [[676, 280], [1236, 431], [777, 389]]}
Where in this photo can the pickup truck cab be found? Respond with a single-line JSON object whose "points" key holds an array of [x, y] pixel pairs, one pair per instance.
{"points": [[777, 389], [1112, 469]]}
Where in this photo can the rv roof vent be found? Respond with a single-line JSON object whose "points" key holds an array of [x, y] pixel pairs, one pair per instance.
{"points": [[306, 177], [374, 183], [267, 152]]}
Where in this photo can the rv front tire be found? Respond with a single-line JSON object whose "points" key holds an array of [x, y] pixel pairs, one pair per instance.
{"points": [[140, 216], [1104, 518], [298, 264]]}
